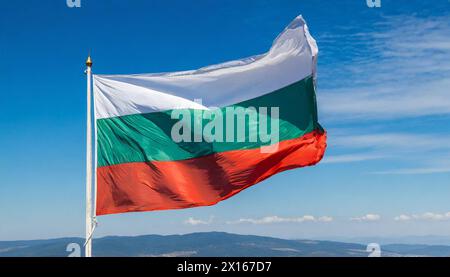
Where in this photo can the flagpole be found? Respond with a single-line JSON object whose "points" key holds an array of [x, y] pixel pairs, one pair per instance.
{"points": [[88, 243]]}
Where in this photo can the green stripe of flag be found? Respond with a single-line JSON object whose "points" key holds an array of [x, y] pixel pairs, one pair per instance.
{"points": [[147, 137]]}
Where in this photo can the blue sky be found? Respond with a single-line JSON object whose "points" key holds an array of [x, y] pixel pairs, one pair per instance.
{"points": [[383, 92]]}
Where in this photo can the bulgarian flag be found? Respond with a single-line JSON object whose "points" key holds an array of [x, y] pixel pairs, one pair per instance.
{"points": [[194, 138]]}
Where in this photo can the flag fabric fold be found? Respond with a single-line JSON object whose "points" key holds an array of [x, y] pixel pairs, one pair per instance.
{"points": [[141, 167]]}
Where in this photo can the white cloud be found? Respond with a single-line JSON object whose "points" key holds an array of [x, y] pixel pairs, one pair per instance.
{"points": [[429, 153], [325, 219], [425, 216], [277, 219], [367, 217], [194, 221], [434, 216], [397, 68], [348, 158], [401, 70], [411, 100], [415, 170], [389, 141], [402, 217], [430, 164]]}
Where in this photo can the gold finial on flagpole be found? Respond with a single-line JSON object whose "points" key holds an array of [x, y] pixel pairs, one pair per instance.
{"points": [[89, 61]]}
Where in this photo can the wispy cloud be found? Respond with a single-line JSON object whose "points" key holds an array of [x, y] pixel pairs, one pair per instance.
{"points": [[395, 68], [367, 217], [194, 221], [425, 153], [400, 70], [402, 217], [412, 171], [348, 158], [386, 140], [412, 100], [277, 219], [425, 216], [430, 163]]}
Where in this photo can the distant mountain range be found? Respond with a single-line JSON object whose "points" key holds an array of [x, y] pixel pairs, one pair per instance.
{"points": [[211, 244], [407, 239]]}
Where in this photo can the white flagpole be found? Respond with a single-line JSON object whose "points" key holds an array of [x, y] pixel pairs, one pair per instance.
{"points": [[89, 225]]}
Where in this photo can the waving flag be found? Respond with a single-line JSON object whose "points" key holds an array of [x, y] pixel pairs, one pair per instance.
{"points": [[156, 148]]}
